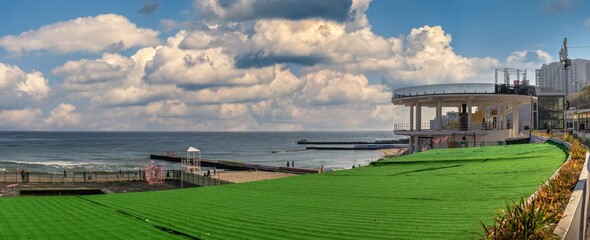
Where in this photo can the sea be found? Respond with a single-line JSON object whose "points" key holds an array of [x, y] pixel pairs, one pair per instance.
{"points": [[114, 151]]}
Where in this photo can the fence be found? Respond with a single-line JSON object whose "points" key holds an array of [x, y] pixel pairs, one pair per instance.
{"points": [[200, 180], [89, 177]]}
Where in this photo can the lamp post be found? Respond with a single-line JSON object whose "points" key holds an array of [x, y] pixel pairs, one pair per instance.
{"points": [[565, 63]]}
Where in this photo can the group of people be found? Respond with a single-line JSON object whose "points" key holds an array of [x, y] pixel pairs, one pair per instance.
{"points": [[208, 174], [292, 164]]}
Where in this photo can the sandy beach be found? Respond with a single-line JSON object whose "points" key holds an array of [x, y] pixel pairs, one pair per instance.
{"points": [[392, 152], [251, 176]]}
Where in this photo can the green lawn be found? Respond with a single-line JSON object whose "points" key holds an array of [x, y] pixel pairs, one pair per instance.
{"points": [[439, 194]]}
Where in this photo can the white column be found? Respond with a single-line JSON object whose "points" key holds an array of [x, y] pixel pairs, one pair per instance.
{"points": [[439, 115], [411, 145], [469, 117], [515, 119], [504, 123], [411, 118], [417, 147], [418, 117], [483, 113], [498, 114]]}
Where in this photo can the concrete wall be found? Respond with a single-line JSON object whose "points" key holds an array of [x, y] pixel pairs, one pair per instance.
{"points": [[574, 223], [495, 135]]}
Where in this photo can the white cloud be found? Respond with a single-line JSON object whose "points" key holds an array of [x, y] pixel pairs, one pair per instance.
{"points": [[19, 118], [429, 58], [19, 88], [192, 82], [110, 68], [107, 32], [329, 87], [63, 116], [310, 42], [357, 17], [283, 84], [528, 60], [112, 79], [35, 85]]}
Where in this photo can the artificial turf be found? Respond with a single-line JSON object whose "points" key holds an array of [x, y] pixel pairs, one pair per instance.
{"points": [[438, 194]]}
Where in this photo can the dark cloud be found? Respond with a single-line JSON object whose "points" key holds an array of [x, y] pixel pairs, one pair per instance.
{"points": [[149, 7], [260, 59], [561, 6], [115, 47], [239, 10]]}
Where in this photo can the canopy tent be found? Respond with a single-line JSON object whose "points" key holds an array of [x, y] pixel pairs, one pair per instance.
{"points": [[192, 149]]}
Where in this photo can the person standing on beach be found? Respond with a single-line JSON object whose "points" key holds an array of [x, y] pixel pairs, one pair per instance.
{"points": [[287, 163], [292, 164], [65, 173]]}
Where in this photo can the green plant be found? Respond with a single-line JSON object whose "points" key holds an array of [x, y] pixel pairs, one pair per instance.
{"points": [[522, 220]]}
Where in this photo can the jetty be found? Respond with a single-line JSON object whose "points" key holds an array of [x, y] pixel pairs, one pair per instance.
{"points": [[359, 147], [399, 141], [235, 165]]}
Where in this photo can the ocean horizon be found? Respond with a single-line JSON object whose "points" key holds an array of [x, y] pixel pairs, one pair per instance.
{"points": [[54, 151]]}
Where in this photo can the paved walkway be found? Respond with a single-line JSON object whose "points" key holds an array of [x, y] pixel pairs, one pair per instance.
{"points": [[107, 187]]}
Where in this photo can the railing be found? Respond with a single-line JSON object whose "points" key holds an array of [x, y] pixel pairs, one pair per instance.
{"points": [[201, 180], [427, 126], [406, 127], [89, 177], [463, 88]]}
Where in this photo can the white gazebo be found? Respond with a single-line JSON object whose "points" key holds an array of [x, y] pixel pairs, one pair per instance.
{"points": [[192, 162]]}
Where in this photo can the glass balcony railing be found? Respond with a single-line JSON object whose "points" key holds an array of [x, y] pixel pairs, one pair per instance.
{"points": [[463, 88]]}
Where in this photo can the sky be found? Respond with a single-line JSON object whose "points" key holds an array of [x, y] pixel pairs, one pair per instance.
{"points": [[259, 65]]}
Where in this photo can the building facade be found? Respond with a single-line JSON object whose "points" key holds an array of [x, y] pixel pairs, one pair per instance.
{"points": [[482, 116], [552, 76], [550, 111]]}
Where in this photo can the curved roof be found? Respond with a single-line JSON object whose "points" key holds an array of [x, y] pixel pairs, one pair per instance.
{"points": [[453, 95]]}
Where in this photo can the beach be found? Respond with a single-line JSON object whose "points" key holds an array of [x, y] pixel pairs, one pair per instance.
{"points": [[250, 176], [392, 152]]}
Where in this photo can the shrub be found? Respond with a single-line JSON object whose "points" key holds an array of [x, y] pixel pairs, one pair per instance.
{"points": [[523, 220], [536, 217]]}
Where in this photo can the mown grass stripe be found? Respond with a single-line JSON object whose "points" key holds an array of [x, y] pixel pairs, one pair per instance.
{"points": [[439, 194]]}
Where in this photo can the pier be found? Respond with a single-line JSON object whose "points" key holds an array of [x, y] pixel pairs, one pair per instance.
{"points": [[235, 165], [359, 147], [305, 142]]}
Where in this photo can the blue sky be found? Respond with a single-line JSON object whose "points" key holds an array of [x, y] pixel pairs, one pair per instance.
{"points": [[259, 65], [491, 28]]}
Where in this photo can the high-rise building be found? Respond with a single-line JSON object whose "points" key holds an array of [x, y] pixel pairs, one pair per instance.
{"points": [[551, 76]]}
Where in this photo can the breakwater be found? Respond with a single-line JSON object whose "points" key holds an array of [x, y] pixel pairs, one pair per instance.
{"points": [[235, 165]]}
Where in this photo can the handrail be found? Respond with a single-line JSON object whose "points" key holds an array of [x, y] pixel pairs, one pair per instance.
{"points": [[8, 176], [463, 88]]}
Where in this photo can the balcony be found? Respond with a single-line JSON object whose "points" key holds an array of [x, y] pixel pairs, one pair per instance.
{"points": [[463, 88]]}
